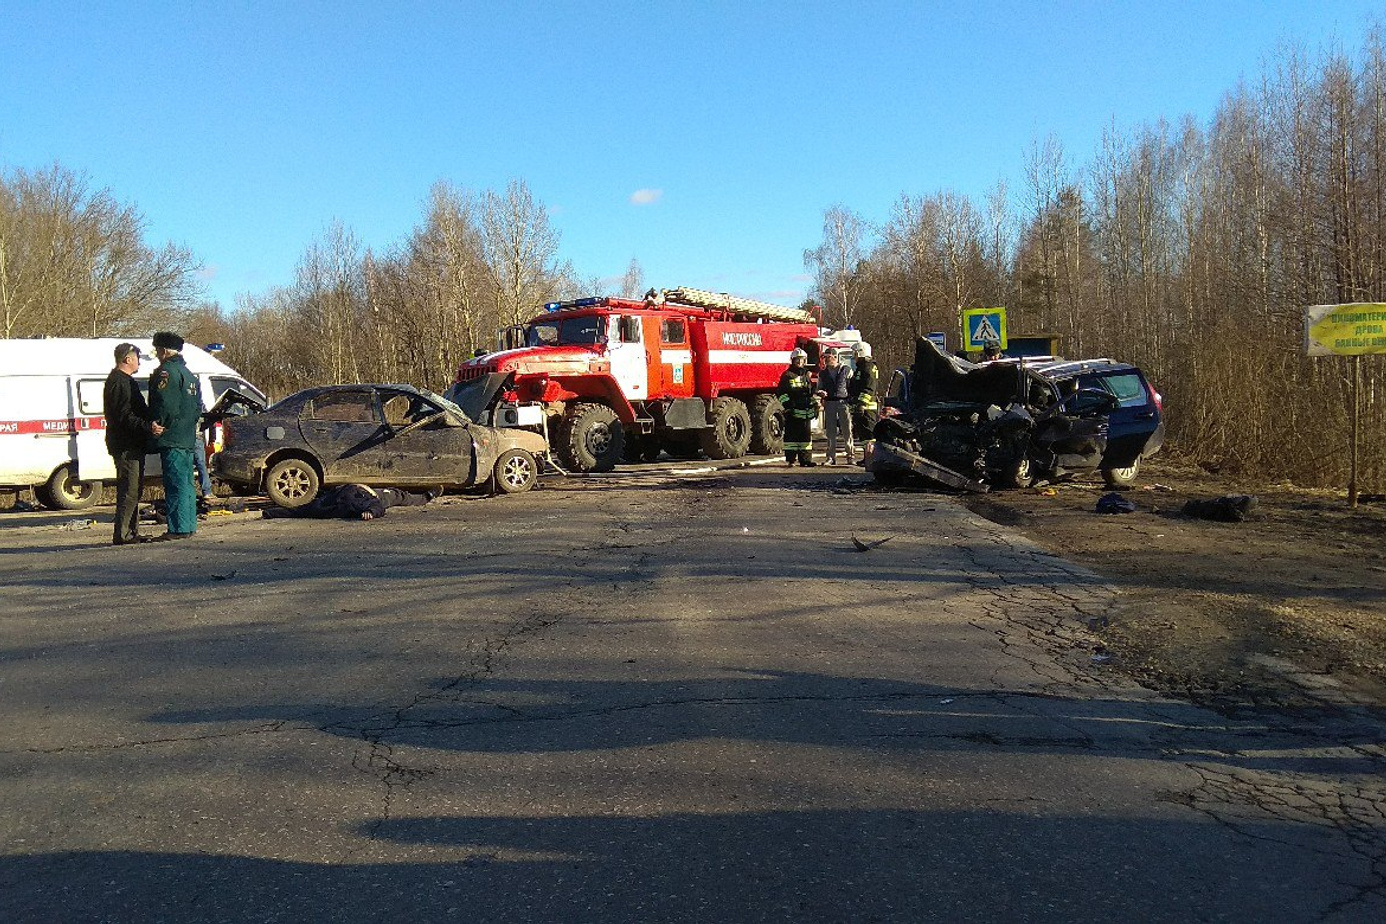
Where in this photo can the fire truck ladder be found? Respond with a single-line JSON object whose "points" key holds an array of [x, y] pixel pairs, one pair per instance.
{"points": [[701, 298]]}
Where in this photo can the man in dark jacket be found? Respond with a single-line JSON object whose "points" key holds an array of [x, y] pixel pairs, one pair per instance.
{"points": [[128, 431], [174, 406]]}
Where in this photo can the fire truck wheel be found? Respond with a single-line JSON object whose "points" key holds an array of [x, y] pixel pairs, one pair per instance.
{"points": [[592, 438], [767, 426], [730, 433], [515, 471], [64, 492], [292, 482]]}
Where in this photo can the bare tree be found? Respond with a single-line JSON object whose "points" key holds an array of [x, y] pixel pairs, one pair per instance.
{"points": [[633, 282], [520, 248], [835, 262]]}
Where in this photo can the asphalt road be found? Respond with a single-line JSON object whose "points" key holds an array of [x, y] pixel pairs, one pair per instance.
{"points": [[646, 699]]}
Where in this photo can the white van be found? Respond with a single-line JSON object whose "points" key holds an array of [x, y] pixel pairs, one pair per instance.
{"points": [[52, 432]]}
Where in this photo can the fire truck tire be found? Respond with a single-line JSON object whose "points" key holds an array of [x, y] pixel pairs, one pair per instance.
{"points": [[767, 426], [730, 433], [64, 492], [592, 439]]}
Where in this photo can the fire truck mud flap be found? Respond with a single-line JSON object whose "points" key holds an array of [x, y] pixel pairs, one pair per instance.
{"points": [[891, 463]]}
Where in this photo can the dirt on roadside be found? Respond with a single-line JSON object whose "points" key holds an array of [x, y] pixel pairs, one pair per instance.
{"points": [[1286, 609]]}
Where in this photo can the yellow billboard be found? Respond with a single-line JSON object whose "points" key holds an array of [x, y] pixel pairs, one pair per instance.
{"points": [[1345, 330]]}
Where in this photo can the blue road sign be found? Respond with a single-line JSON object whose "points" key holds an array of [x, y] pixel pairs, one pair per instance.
{"points": [[983, 325]]}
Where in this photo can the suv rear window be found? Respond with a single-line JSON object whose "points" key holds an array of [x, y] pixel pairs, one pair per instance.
{"points": [[1128, 388]]}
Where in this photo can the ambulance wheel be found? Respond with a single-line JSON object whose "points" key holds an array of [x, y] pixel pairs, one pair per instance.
{"points": [[515, 471], [64, 492], [592, 439], [767, 426], [292, 482], [730, 433]]}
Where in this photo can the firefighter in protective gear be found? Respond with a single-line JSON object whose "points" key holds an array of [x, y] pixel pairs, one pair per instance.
{"points": [[795, 392], [861, 391]]}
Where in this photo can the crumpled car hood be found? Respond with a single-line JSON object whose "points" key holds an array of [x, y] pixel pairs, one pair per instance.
{"points": [[939, 376]]}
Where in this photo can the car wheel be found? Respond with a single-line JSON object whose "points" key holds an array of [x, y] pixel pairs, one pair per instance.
{"points": [[292, 482], [64, 492], [1122, 477], [515, 471], [1018, 474]]}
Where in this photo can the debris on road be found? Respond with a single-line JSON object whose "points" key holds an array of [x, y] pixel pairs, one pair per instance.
{"points": [[868, 546], [1230, 508], [1114, 503]]}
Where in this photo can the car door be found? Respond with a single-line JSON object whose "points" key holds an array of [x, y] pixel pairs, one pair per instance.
{"points": [[344, 429], [1133, 421], [425, 443]]}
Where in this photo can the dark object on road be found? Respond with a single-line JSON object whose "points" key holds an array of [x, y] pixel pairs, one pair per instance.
{"points": [[1230, 508], [1114, 503], [375, 435], [1012, 423], [352, 502], [868, 546]]}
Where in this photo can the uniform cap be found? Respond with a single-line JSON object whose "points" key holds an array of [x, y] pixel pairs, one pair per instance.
{"points": [[164, 340]]}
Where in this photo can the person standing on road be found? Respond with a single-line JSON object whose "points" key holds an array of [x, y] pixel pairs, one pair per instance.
{"points": [[795, 392], [833, 384], [128, 431], [174, 405], [862, 390]]}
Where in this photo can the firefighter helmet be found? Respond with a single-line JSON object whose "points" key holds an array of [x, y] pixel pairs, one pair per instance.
{"points": [[798, 354], [862, 349]]}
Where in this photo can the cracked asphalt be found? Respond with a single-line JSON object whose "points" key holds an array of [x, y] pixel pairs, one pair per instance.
{"points": [[655, 699]]}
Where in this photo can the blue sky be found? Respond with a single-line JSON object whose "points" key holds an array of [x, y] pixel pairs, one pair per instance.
{"points": [[242, 130]]}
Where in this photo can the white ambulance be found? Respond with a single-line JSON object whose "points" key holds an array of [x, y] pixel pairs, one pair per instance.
{"points": [[52, 432]]}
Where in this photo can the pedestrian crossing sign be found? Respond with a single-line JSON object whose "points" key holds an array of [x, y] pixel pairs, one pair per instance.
{"points": [[983, 325]]}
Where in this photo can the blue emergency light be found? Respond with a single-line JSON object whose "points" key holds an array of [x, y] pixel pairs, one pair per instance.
{"points": [[214, 347]]}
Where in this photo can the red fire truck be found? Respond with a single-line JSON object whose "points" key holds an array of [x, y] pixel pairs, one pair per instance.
{"points": [[682, 371]]}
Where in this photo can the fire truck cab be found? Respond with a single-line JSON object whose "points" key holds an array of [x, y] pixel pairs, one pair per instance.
{"points": [[682, 371]]}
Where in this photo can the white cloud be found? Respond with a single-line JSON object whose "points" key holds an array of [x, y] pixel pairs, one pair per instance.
{"points": [[646, 196]]}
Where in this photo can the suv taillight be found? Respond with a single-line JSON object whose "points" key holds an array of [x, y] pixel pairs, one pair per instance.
{"points": [[1155, 396]]}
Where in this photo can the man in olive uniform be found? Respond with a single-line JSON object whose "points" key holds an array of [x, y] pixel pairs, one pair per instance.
{"points": [[174, 405], [128, 432], [795, 392]]}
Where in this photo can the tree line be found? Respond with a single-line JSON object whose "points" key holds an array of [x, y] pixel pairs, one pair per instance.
{"points": [[1187, 249]]}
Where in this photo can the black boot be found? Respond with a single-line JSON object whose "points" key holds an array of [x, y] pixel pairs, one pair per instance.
{"points": [[789, 457], [806, 459]]}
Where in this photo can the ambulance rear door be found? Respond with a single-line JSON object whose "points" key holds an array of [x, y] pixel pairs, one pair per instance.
{"points": [[94, 463]]}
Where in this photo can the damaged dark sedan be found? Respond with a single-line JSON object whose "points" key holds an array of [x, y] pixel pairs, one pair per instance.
{"points": [[1014, 422], [376, 435]]}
